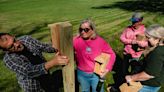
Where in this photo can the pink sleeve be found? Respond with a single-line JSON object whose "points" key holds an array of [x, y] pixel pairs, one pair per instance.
{"points": [[134, 54], [108, 49], [142, 43], [111, 62], [137, 54], [125, 37], [128, 49]]}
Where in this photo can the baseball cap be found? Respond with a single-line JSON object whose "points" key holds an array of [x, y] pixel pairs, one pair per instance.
{"points": [[136, 17]]}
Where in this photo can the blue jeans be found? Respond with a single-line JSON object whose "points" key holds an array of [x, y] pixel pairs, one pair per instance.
{"points": [[88, 80], [149, 89]]}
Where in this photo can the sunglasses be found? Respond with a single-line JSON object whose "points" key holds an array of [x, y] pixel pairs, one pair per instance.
{"points": [[85, 30]]}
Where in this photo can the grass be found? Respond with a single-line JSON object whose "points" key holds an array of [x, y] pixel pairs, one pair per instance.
{"points": [[8, 82], [31, 17]]}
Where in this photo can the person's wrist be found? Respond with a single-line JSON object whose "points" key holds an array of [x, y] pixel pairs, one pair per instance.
{"points": [[130, 79], [48, 65]]}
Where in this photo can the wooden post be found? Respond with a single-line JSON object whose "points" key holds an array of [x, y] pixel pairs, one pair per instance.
{"points": [[62, 37]]}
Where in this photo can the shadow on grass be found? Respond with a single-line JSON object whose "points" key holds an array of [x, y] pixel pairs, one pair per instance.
{"points": [[136, 5], [28, 29]]}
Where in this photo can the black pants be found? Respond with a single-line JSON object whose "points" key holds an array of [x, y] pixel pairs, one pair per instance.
{"points": [[136, 66], [121, 68]]}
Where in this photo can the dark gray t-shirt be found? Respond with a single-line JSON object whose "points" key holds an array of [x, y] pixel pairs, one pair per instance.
{"points": [[155, 67]]}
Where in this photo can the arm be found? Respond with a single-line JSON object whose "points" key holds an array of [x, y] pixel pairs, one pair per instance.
{"points": [[57, 60], [107, 49], [41, 46], [141, 39], [142, 43], [142, 76], [25, 68], [153, 68], [126, 36], [132, 52]]}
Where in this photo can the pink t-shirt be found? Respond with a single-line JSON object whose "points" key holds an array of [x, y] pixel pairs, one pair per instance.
{"points": [[128, 35], [87, 50]]}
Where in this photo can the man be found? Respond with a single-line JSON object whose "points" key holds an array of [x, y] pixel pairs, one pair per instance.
{"points": [[24, 57]]}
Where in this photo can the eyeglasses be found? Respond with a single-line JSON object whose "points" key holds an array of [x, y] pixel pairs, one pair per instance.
{"points": [[85, 30]]}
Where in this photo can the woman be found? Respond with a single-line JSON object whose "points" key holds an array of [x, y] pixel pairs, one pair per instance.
{"points": [[152, 75], [88, 45], [132, 44], [131, 52]]}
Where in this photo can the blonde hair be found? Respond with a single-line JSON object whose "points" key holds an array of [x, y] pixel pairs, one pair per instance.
{"points": [[91, 25]]}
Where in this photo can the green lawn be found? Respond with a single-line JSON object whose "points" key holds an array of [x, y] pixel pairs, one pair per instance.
{"points": [[31, 17]]}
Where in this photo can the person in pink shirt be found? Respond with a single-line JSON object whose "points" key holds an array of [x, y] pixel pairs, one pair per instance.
{"points": [[87, 46], [130, 38], [133, 47]]}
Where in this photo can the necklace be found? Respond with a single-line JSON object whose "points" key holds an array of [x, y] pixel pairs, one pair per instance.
{"points": [[88, 48]]}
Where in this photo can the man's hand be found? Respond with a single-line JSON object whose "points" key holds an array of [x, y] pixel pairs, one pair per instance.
{"points": [[57, 60], [60, 59]]}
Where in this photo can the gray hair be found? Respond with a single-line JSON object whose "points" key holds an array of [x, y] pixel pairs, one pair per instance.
{"points": [[91, 25], [156, 31]]}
